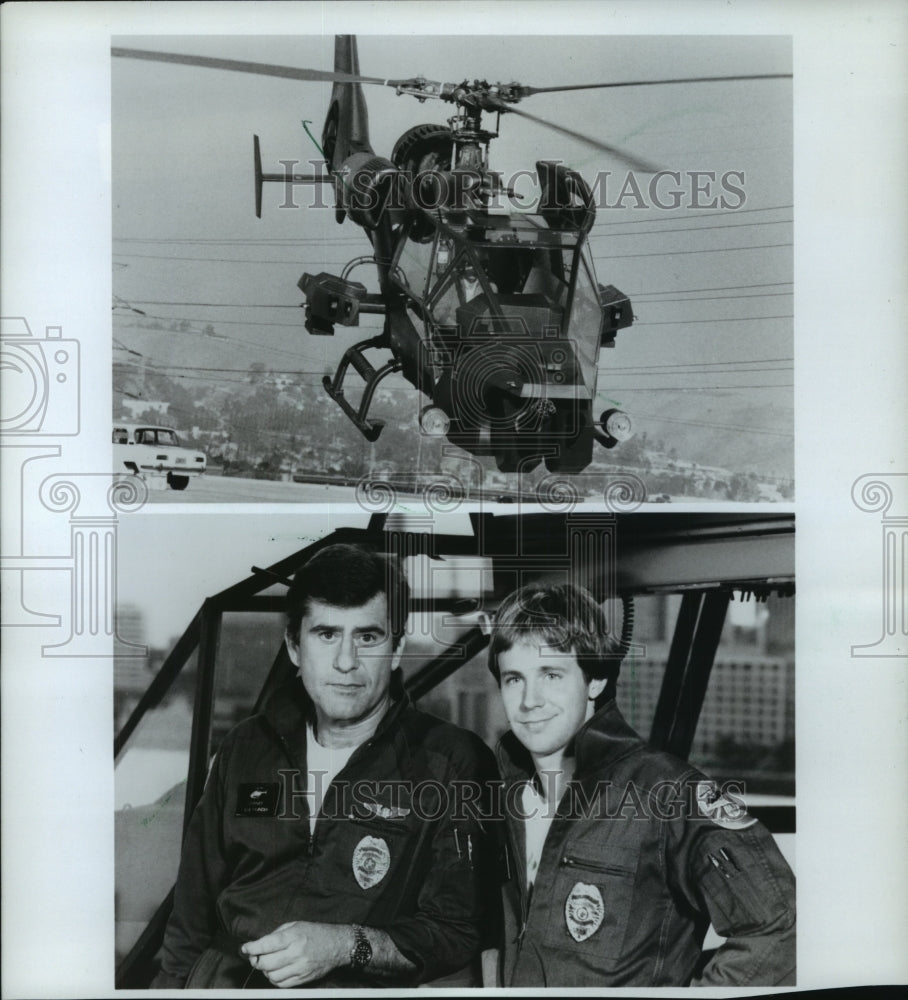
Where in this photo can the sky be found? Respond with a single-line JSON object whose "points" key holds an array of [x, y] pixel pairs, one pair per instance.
{"points": [[169, 564], [712, 290]]}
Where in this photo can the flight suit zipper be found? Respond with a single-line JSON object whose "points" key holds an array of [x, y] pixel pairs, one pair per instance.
{"points": [[570, 861], [525, 919], [288, 753]]}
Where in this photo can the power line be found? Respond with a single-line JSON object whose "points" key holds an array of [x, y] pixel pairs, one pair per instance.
{"points": [[700, 388], [215, 305], [630, 372], [704, 213], [186, 371], [158, 366], [231, 322], [700, 364], [697, 229], [715, 426], [636, 295], [235, 260], [678, 253], [354, 241], [729, 319], [332, 263], [256, 345], [675, 291], [714, 288], [713, 214], [215, 260], [644, 297], [276, 241]]}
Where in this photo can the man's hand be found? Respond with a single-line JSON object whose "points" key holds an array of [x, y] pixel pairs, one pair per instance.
{"points": [[300, 951]]}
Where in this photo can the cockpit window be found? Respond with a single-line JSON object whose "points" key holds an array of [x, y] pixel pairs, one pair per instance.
{"points": [[498, 272], [517, 254], [585, 320]]}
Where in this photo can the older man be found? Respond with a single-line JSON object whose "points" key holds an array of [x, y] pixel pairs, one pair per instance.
{"points": [[326, 849]]}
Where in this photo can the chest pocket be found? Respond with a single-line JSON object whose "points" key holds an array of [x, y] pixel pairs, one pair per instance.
{"points": [[590, 903]]}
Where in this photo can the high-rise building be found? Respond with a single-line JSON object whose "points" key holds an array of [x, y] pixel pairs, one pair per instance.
{"points": [[130, 673]]}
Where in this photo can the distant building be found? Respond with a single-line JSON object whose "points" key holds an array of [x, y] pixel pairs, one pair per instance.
{"points": [[749, 701], [137, 406], [131, 674], [750, 698]]}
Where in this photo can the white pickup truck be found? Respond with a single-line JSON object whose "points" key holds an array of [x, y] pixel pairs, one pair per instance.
{"points": [[151, 451]]}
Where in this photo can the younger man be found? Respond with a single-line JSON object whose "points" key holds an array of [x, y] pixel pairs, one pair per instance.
{"points": [[619, 856]]}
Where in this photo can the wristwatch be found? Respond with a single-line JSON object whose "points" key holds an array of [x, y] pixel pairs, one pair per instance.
{"points": [[361, 954]]}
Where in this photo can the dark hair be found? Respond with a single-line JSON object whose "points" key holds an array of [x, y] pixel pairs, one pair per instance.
{"points": [[348, 576], [564, 617]]}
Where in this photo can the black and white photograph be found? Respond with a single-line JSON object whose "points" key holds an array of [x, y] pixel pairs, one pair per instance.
{"points": [[635, 673], [494, 259], [454, 498]]}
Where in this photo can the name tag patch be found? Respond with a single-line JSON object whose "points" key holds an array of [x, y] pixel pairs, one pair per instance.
{"points": [[583, 911], [257, 799], [371, 861]]}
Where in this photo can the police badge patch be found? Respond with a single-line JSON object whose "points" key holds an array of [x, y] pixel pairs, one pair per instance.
{"points": [[583, 911], [371, 861], [724, 810]]}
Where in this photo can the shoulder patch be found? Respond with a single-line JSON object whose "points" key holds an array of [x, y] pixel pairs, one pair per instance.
{"points": [[723, 809]]}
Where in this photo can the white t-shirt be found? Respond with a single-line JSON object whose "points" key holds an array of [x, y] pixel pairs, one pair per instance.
{"points": [[324, 765], [538, 815]]}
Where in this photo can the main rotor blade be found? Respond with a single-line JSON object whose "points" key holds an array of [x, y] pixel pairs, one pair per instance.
{"points": [[529, 91], [634, 162], [258, 69]]}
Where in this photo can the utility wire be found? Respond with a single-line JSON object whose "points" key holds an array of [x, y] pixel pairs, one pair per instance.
{"points": [[723, 319], [678, 253], [695, 229]]}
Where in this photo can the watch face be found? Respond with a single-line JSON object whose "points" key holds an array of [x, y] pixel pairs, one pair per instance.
{"points": [[362, 949]]}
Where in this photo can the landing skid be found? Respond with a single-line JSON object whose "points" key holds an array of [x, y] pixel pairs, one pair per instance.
{"points": [[354, 357]]}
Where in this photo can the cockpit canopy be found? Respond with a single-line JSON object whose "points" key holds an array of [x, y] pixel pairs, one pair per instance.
{"points": [[509, 276]]}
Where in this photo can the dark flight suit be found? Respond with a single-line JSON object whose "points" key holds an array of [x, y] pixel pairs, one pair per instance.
{"points": [[378, 857], [643, 853]]}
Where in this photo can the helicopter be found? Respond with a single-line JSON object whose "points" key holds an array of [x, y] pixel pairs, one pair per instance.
{"points": [[495, 317]]}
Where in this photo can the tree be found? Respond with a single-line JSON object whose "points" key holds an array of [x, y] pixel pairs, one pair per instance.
{"points": [[743, 487]]}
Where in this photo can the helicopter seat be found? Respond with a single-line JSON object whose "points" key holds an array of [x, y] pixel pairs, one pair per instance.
{"points": [[541, 281]]}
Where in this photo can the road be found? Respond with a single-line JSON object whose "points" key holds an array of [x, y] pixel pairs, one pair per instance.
{"points": [[231, 489]]}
